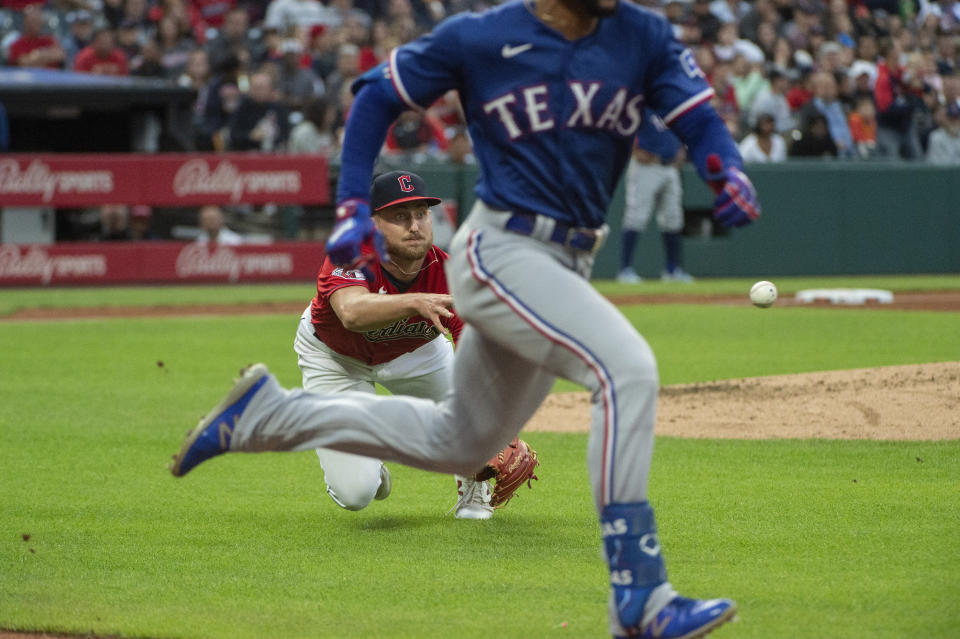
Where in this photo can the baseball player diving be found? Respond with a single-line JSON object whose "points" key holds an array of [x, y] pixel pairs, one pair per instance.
{"points": [[389, 330], [553, 92]]}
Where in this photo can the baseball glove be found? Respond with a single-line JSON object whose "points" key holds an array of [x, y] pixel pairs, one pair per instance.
{"points": [[509, 469]]}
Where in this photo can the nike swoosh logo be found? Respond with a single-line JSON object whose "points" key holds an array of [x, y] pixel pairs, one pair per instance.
{"points": [[508, 52]]}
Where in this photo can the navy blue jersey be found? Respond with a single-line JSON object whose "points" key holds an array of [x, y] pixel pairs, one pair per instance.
{"points": [[553, 121], [654, 137]]}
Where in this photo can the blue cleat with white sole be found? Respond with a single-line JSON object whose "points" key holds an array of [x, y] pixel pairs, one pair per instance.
{"points": [[212, 435], [684, 618]]}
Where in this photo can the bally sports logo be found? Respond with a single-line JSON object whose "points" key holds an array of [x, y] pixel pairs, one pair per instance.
{"points": [[196, 177], [197, 260], [37, 263], [39, 179]]}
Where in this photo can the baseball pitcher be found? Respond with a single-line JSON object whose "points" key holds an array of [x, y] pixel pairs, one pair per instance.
{"points": [[553, 92], [388, 329]]}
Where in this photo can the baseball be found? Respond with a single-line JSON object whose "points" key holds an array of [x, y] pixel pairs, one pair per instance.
{"points": [[763, 294]]}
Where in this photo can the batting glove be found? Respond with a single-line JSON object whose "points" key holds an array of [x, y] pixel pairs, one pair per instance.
{"points": [[736, 203], [356, 242]]}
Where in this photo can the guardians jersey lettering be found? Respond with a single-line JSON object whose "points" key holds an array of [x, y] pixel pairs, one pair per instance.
{"points": [[530, 95], [383, 344]]}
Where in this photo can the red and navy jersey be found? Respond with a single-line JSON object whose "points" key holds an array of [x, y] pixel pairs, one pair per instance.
{"points": [[383, 344]]}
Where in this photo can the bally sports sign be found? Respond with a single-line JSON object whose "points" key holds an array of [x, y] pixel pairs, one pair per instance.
{"points": [[167, 179], [156, 263]]}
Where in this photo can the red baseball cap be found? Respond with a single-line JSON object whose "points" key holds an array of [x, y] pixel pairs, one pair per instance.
{"points": [[398, 187]]}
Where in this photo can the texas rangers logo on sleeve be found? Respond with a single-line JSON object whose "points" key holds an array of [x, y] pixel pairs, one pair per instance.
{"points": [[690, 66]]}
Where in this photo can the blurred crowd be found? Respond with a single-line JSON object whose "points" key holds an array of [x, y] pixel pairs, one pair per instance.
{"points": [[808, 78]]}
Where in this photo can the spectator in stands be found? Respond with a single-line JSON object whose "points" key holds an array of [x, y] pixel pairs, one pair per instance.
{"points": [[863, 127], [261, 120], [804, 25], [814, 140], [767, 39], [725, 98], [213, 228], [130, 37], [149, 62], [295, 83], [897, 134], [141, 218], [79, 34], [417, 134], [102, 56], [729, 11], [763, 145], [783, 54], [460, 148], [196, 76], [137, 12], [322, 48], [747, 81], [762, 12], [946, 54], [213, 13], [864, 75], [288, 15], [707, 23], [233, 40], [114, 223], [801, 89], [222, 99], [34, 48], [773, 101], [944, 146], [348, 68], [175, 46], [829, 57], [314, 134], [825, 101]]}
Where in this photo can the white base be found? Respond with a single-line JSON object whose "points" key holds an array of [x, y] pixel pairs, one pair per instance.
{"points": [[852, 296]]}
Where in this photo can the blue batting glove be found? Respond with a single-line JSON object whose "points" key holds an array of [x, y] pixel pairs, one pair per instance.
{"points": [[353, 232], [736, 203]]}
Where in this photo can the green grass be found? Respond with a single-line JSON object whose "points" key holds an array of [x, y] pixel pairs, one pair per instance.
{"points": [[85, 297], [250, 546], [14, 299]]}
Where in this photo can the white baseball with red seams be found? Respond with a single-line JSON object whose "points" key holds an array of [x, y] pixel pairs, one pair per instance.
{"points": [[763, 294]]}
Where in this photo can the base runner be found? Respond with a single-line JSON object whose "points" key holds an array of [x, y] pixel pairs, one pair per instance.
{"points": [[552, 91]]}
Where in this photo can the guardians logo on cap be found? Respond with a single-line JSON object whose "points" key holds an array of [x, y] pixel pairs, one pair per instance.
{"points": [[398, 187]]}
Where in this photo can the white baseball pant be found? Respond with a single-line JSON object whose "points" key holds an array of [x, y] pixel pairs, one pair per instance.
{"points": [[653, 188], [352, 480]]}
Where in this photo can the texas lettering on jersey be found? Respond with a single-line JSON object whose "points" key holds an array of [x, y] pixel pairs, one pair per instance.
{"points": [[621, 114], [530, 96]]}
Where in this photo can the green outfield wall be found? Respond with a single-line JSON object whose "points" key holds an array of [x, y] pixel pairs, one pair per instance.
{"points": [[819, 218]]}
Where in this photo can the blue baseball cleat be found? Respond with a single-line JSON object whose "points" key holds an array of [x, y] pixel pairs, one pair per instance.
{"points": [[212, 435], [684, 618]]}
